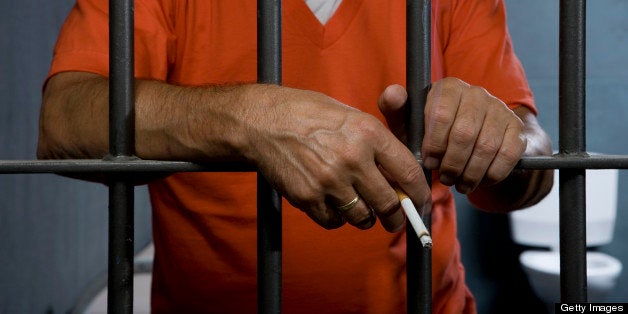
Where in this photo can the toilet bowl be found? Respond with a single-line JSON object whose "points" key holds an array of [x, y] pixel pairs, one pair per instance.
{"points": [[538, 228], [543, 271]]}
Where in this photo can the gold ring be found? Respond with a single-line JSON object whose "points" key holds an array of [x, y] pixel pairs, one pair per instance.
{"points": [[349, 205]]}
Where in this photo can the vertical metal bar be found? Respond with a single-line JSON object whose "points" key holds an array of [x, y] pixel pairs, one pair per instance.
{"points": [[121, 145], [121, 70], [418, 79], [573, 262], [268, 201], [121, 234]]}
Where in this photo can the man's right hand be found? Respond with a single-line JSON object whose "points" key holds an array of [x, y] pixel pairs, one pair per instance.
{"points": [[321, 154]]}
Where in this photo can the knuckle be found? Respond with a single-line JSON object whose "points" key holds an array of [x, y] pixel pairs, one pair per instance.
{"points": [[388, 207], [486, 146], [365, 131], [327, 176], [510, 154], [434, 149], [367, 126], [350, 161], [366, 135], [441, 116], [478, 91], [412, 176], [451, 169], [463, 132], [507, 161]]}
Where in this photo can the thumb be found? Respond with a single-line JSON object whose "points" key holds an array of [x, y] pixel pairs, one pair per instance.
{"points": [[391, 104]]}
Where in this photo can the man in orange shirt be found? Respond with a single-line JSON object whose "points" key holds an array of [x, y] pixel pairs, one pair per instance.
{"points": [[320, 140]]}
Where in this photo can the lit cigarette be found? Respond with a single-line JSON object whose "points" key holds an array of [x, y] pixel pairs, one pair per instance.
{"points": [[414, 219]]}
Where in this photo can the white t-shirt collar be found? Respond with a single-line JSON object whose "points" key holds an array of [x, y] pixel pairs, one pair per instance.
{"points": [[323, 9]]}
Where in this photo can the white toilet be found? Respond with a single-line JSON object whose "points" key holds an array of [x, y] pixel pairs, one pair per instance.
{"points": [[537, 226]]}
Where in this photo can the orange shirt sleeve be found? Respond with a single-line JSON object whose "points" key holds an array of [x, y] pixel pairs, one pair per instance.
{"points": [[479, 51], [83, 43]]}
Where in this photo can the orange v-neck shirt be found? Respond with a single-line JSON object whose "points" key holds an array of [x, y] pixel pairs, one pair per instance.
{"points": [[204, 223]]}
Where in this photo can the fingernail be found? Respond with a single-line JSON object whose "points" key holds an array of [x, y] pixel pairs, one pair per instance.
{"points": [[446, 180], [367, 223], [430, 163], [464, 188]]}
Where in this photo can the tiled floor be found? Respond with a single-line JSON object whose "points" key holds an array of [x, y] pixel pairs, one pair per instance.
{"points": [[141, 290]]}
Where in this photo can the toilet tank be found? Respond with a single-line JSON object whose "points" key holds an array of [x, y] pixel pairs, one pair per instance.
{"points": [[538, 225]]}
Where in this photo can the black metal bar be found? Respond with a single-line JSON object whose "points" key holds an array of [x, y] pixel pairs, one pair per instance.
{"points": [[121, 146], [575, 161], [418, 79], [121, 69], [573, 258], [268, 248], [121, 238], [66, 166], [269, 67], [269, 64]]}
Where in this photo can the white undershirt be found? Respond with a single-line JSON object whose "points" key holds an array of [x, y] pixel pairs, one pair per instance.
{"points": [[323, 9]]}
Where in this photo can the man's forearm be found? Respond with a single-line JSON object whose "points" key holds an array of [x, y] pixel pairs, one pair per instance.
{"points": [[170, 121]]}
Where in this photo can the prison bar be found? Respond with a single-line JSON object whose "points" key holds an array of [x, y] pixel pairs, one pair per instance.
{"points": [[139, 166], [418, 79], [572, 135], [121, 146], [269, 67]]}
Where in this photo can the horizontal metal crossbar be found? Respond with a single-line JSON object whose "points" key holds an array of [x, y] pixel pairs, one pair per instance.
{"points": [[575, 161], [140, 165], [116, 166]]}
